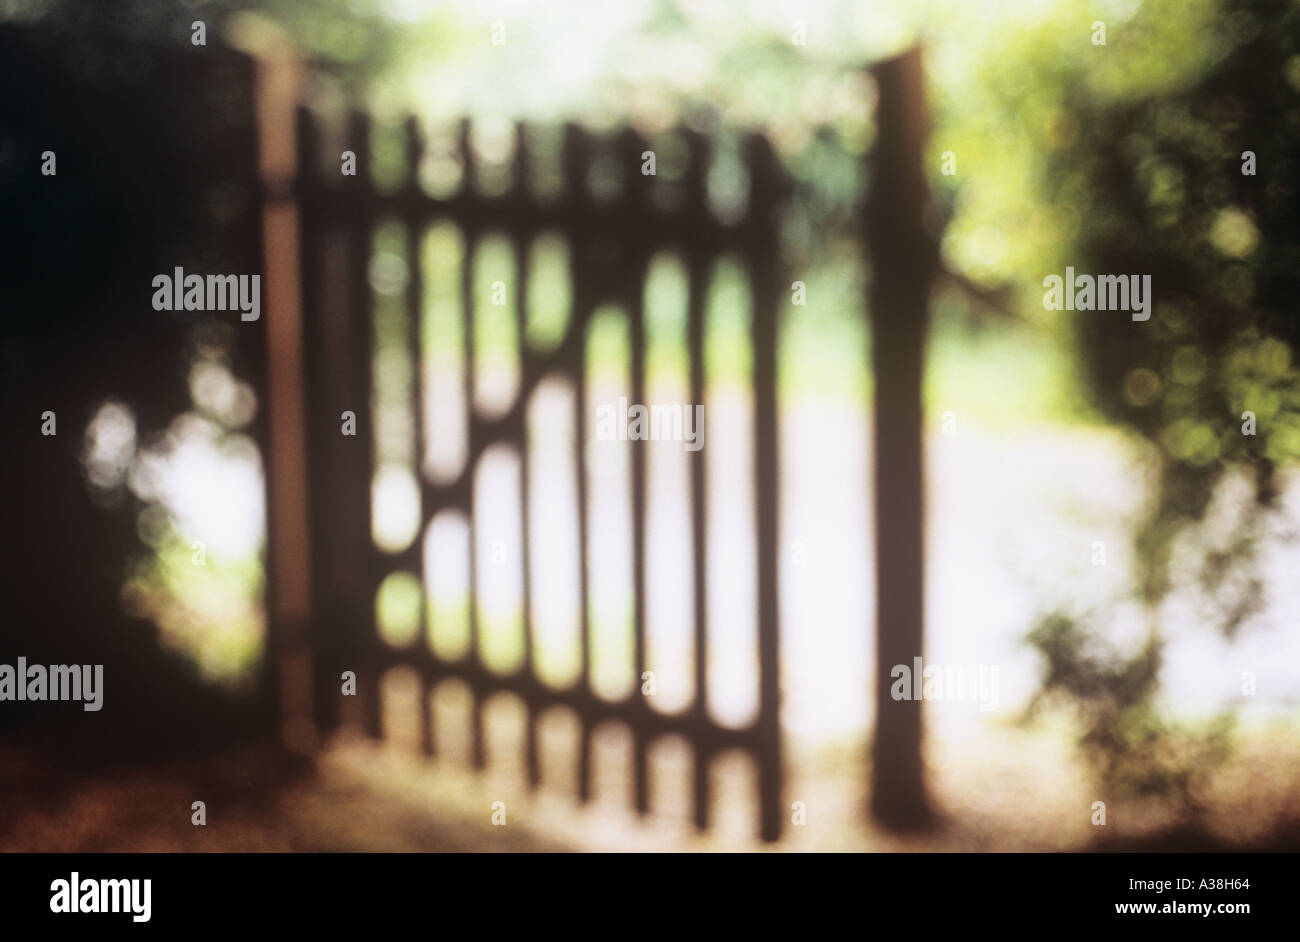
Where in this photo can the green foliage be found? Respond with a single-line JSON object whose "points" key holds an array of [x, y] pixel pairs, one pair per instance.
{"points": [[1131, 747], [1143, 171], [1157, 186]]}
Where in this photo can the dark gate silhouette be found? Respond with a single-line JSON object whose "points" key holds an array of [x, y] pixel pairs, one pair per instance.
{"points": [[611, 246], [322, 547]]}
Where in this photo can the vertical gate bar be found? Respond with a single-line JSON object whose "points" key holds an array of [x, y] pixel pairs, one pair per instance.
{"points": [[633, 264], [340, 513], [576, 157], [414, 225], [520, 242], [336, 480], [323, 504], [584, 566], [637, 324], [698, 273], [902, 256], [765, 285], [361, 217], [472, 431]]}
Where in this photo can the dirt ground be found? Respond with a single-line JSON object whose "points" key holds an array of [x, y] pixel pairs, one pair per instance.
{"points": [[355, 795]]}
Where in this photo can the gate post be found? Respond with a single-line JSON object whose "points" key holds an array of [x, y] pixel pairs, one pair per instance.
{"points": [[289, 582], [901, 258], [767, 282]]}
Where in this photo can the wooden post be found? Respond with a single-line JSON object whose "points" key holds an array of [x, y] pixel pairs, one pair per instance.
{"points": [[336, 342], [288, 536], [767, 282], [902, 260]]}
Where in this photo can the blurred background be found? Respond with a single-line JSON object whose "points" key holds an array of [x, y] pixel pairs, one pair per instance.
{"points": [[1098, 525]]}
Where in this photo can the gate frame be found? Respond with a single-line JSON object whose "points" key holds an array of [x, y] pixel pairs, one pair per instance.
{"points": [[310, 375]]}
